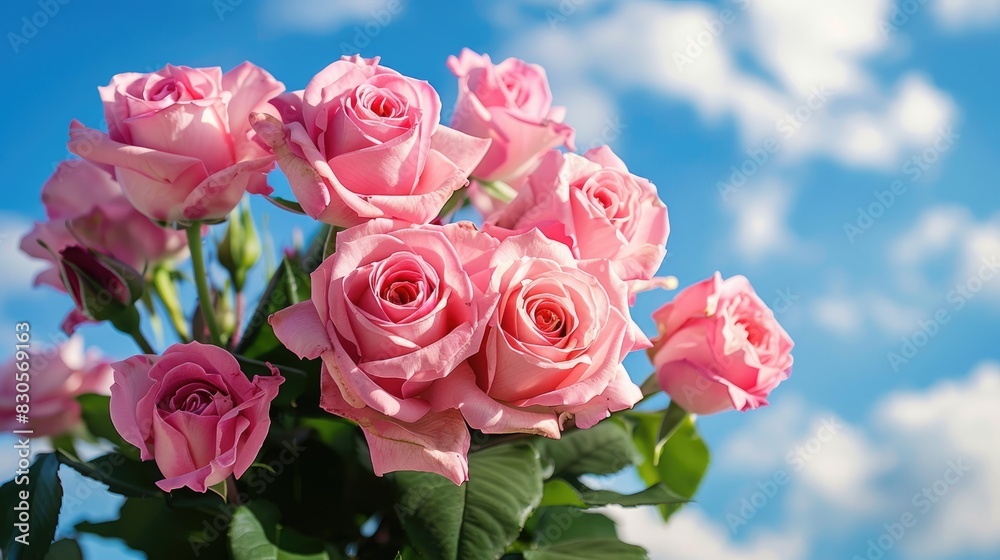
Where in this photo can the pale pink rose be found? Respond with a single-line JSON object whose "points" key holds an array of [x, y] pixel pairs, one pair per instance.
{"points": [[180, 139], [54, 379], [554, 348], [393, 311], [194, 412], [363, 141], [85, 206], [511, 104], [596, 207], [720, 347]]}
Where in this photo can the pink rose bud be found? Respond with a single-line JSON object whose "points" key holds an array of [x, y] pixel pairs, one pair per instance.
{"points": [[102, 287], [554, 348], [180, 139], [394, 310], [720, 347], [596, 207], [194, 412], [55, 377], [363, 141], [511, 104], [85, 205]]}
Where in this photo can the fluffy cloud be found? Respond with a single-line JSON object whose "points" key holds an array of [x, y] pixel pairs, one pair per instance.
{"points": [[953, 236], [761, 221], [691, 535], [852, 479], [958, 15], [816, 52], [19, 269]]}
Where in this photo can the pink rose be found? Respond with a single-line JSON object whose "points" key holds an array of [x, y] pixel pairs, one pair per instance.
{"points": [[180, 139], [511, 104], [597, 208], [53, 381], [194, 411], [85, 204], [363, 141], [394, 310], [554, 348], [719, 347]]}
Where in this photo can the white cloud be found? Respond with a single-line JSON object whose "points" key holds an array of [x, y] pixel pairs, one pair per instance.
{"points": [[839, 314], [958, 15], [953, 236], [19, 269], [854, 482], [852, 316], [691, 535], [327, 15], [693, 51], [761, 221], [956, 420]]}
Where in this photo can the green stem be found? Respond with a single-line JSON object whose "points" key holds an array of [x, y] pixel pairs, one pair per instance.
{"points": [[166, 291], [128, 322], [201, 280], [142, 342], [650, 387]]}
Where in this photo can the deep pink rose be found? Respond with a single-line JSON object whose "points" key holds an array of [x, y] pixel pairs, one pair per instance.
{"points": [[85, 205], [194, 411], [596, 207], [180, 139], [393, 311], [363, 141], [54, 380], [720, 347], [554, 348], [511, 104]]}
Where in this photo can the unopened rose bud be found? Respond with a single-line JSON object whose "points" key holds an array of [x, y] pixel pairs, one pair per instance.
{"points": [[239, 249], [101, 287]]}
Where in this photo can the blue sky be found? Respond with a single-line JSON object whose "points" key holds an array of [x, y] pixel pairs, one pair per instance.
{"points": [[854, 99]]}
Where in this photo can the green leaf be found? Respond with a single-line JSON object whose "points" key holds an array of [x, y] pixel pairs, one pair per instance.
{"points": [[96, 413], [557, 492], [36, 494], [566, 523], [288, 285], [672, 420], [604, 449], [122, 476], [285, 204], [657, 494], [684, 458], [683, 463], [587, 549], [65, 549], [248, 541], [478, 519], [162, 533]]}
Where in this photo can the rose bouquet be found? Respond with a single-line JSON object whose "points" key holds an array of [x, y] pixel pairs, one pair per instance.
{"points": [[408, 385]]}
